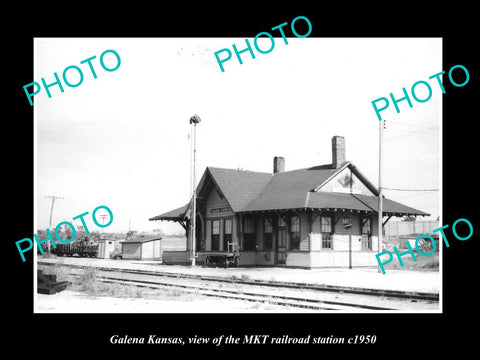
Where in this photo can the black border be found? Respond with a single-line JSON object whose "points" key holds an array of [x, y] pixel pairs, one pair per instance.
{"points": [[409, 333]]}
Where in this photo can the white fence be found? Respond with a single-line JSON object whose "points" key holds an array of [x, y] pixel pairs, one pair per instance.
{"points": [[396, 228]]}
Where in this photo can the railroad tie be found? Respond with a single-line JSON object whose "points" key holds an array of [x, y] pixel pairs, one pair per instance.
{"points": [[48, 284]]}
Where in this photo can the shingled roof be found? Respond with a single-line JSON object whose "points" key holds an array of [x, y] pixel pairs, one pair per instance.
{"points": [[296, 190], [288, 190], [249, 191], [239, 187], [174, 215]]}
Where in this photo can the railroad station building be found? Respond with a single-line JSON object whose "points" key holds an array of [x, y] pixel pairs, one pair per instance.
{"points": [[321, 216]]}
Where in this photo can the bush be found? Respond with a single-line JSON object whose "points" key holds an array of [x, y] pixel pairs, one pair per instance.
{"points": [[88, 280], [244, 277]]}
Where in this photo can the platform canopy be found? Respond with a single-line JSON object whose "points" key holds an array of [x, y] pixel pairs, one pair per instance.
{"points": [[330, 202], [178, 214]]}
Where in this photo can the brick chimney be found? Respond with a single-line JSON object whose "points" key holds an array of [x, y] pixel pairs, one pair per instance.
{"points": [[338, 151], [278, 164]]}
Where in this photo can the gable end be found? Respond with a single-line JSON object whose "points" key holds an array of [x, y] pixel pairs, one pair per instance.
{"points": [[348, 179]]}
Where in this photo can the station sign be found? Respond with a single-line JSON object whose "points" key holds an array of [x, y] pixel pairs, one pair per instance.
{"points": [[347, 222], [220, 210]]}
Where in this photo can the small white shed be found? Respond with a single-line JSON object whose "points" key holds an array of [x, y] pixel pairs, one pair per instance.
{"points": [[142, 248], [106, 247]]}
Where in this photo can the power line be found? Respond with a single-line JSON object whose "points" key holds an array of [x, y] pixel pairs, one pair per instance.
{"points": [[410, 189], [412, 195], [411, 133], [397, 126], [400, 124]]}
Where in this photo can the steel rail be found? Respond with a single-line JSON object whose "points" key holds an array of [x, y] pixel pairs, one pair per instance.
{"points": [[241, 295], [393, 294]]}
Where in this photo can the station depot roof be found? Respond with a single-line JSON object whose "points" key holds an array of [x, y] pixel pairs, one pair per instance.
{"points": [[250, 192], [140, 239], [174, 215]]}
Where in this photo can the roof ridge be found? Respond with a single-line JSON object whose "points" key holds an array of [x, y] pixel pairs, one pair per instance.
{"points": [[315, 167], [230, 169], [304, 168]]}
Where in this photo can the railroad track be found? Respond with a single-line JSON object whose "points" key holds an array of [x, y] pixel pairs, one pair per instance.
{"points": [[290, 295]]}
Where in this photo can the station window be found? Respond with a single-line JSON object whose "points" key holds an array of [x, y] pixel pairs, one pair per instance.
{"points": [[367, 234], [295, 233], [326, 230], [215, 234], [249, 238], [227, 233], [267, 231]]}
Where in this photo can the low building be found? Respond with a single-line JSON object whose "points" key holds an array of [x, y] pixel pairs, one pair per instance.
{"points": [[321, 216], [108, 245], [105, 247], [142, 248]]}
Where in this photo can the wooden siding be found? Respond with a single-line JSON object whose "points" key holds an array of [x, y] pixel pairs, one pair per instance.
{"points": [[316, 236], [355, 229], [344, 242], [304, 232], [335, 186], [208, 235], [147, 250], [259, 226], [319, 259], [374, 224], [150, 250], [131, 251], [216, 202], [217, 208], [176, 257], [298, 259], [235, 237]]}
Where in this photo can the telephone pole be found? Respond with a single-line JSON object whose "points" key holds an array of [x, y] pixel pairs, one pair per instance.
{"points": [[194, 120], [53, 197], [380, 195], [103, 216]]}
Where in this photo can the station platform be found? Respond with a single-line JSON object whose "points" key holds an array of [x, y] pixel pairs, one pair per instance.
{"points": [[358, 278]]}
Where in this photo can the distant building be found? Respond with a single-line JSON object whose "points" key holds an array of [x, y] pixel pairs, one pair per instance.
{"points": [[322, 216], [141, 248]]}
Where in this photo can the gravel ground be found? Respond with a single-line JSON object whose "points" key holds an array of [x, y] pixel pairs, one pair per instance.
{"points": [[69, 301]]}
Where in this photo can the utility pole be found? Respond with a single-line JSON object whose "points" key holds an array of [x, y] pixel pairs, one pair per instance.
{"points": [[103, 216], [194, 120], [53, 197], [380, 195]]}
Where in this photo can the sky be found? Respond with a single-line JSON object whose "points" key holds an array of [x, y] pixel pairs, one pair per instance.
{"points": [[122, 140]]}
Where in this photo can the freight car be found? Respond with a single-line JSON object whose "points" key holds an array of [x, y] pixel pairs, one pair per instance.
{"points": [[80, 248]]}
